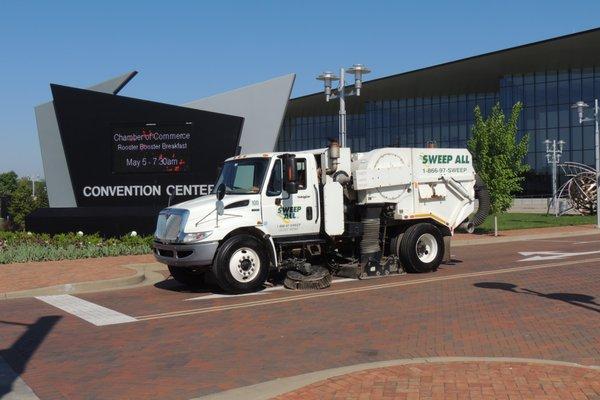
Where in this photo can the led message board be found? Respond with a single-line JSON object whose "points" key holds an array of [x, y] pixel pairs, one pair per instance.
{"points": [[151, 147]]}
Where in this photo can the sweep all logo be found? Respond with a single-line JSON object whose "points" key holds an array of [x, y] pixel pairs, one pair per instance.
{"points": [[288, 213], [444, 163], [444, 159]]}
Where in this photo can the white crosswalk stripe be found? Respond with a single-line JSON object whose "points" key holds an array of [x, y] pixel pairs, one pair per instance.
{"points": [[86, 310]]}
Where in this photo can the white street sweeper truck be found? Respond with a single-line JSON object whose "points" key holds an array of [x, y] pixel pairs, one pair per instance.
{"points": [[309, 215]]}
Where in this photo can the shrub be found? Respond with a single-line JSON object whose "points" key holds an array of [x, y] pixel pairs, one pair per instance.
{"points": [[25, 246], [22, 202]]}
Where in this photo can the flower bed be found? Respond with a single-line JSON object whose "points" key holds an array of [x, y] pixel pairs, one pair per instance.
{"points": [[18, 247]]}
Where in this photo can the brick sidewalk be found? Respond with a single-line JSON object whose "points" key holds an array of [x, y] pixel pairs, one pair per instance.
{"points": [[528, 232], [458, 380], [32, 275]]}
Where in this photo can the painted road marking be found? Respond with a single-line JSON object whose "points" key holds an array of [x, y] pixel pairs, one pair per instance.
{"points": [[264, 291], [86, 310], [225, 295], [552, 255], [327, 293], [587, 242]]}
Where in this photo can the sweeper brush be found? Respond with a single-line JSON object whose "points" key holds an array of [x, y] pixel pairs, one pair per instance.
{"points": [[320, 278]]}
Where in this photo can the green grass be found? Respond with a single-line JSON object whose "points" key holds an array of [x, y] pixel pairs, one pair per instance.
{"points": [[525, 220]]}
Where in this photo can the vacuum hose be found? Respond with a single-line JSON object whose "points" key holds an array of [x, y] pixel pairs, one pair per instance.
{"points": [[483, 209], [483, 195]]}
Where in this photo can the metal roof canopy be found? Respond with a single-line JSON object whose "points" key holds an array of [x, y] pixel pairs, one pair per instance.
{"points": [[477, 74]]}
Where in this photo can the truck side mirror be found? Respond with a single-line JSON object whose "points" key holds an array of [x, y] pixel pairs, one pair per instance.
{"points": [[221, 191], [289, 173]]}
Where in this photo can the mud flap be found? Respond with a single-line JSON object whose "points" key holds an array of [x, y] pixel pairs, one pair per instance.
{"points": [[447, 252]]}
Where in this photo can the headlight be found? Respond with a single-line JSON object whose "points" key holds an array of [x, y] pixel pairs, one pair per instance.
{"points": [[196, 236]]}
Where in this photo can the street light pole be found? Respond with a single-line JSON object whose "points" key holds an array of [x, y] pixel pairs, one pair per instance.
{"points": [[553, 154], [32, 186], [597, 140], [342, 113], [328, 77], [581, 106]]}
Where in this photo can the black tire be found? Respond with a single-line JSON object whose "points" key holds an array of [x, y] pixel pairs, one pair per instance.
{"points": [[250, 272], [429, 239], [190, 276]]}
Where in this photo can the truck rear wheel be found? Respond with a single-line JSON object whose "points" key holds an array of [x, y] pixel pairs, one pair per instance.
{"points": [[192, 277], [421, 248], [241, 264]]}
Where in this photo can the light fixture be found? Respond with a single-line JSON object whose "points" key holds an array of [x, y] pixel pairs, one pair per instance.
{"points": [[358, 70], [580, 106], [327, 77]]}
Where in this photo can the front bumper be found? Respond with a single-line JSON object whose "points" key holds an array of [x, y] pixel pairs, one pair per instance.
{"points": [[185, 255]]}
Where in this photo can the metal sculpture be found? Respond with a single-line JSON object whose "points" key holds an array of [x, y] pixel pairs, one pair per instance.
{"points": [[580, 190]]}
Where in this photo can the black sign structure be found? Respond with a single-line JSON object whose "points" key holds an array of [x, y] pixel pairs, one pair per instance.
{"points": [[127, 157], [102, 175]]}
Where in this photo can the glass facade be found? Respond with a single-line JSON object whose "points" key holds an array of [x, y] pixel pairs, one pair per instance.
{"points": [[411, 122]]}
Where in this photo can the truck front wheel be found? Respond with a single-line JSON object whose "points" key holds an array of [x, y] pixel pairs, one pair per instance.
{"points": [[421, 248], [241, 264]]}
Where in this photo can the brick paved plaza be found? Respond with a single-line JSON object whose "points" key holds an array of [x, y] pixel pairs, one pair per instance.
{"points": [[458, 380], [491, 302]]}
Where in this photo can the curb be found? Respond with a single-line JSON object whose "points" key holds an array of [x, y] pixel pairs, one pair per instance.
{"points": [[276, 387], [507, 239], [146, 274]]}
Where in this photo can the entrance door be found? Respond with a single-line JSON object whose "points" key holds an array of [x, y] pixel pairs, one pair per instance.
{"points": [[287, 214]]}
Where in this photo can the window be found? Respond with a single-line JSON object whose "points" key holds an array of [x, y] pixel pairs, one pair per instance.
{"points": [[563, 92], [301, 173], [275, 183], [243, 176]]}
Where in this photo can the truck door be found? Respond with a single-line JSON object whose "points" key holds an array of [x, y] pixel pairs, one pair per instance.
{"points": [[287, 214]]}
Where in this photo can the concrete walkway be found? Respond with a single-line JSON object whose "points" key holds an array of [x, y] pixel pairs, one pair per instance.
{"points": [[464, 239]]}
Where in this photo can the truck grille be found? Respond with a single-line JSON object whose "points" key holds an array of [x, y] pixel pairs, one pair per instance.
{"points": [[169, 224]]}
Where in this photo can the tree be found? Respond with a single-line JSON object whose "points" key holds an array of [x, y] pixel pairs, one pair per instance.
{"points": [[498, 156], [23, 203], [8, 183], [41, 194]]}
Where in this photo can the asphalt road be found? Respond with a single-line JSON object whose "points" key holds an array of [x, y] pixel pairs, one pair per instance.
{"points": [[531, 299]]}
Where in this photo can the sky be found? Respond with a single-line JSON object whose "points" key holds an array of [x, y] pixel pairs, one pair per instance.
{"points": [[185, 50]]}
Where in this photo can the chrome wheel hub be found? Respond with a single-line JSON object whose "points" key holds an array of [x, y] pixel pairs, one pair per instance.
{"points": [[426, 248], [244, 265]]}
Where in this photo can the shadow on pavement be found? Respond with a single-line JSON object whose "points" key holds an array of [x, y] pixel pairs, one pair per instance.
{"points": [[172, 285], [210, 285], [451, 262], [575, 299], [21, 351]]}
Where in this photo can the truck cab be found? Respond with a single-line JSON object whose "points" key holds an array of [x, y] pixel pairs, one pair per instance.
{"points": [[253, 206]]}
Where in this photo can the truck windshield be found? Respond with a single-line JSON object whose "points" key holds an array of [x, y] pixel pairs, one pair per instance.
{"points": [[243, 176]]}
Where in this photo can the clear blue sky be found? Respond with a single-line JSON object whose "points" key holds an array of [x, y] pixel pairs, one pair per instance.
{"points": [[186, 50]]}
